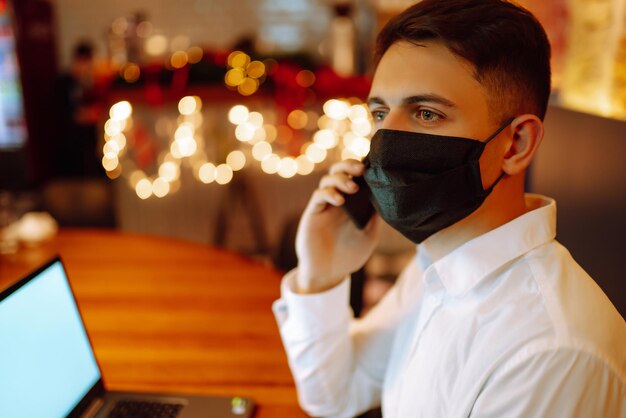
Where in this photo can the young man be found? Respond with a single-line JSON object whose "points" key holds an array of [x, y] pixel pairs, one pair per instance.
{"points": [[493, 318]]}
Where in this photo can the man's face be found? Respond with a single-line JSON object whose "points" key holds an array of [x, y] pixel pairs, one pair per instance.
{"points": [[428, 89]]}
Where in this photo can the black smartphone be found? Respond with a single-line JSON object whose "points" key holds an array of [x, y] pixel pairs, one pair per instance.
{"points": [[358, 206]]}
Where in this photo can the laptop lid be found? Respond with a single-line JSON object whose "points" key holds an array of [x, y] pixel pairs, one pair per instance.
{"points": [[47, 366]]}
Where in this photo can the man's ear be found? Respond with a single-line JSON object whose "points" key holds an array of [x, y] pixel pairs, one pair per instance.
{"points": [[527, 135]]}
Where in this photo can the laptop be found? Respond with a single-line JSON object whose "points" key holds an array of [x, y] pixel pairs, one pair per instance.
{"points": [[48, 368]]}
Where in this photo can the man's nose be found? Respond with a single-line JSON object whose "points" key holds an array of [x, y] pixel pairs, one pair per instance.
{"points": [[396, 119]]}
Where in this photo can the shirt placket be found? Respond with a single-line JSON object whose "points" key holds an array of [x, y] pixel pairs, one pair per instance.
{"points": [[432, 302]]}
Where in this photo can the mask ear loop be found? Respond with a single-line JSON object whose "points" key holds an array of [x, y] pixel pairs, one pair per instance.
{"points": [[495, 183], [500, 129]]}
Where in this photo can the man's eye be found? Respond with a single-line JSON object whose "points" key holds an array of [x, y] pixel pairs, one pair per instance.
{"points": [[428, 115], [378, 115]]}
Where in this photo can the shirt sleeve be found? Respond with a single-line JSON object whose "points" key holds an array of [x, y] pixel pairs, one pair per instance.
{"points": [[562, 383], [338, 363]]}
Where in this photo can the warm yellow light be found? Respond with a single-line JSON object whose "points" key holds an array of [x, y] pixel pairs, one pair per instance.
{"points": [[340, 126], [238, 114], [245, 132], [270, 163], [236, 160], [348, 138], [234, 77], [160, 187], [156, 45], [185, 130], [131, 72], [256, 69], [324, 122], [187, 105], [361, 127], [260, 150], [110, 161], [114, 173], [357, 112], [360, 146], [207, 173], [287, 167], [238, 59], [297, 119], [120, 140], [305, 78], [223, 174], [315, 153], [196, 118], [169, 171], [348, 154], [144, 188], [187, 146], [325, 138], [305, 166], [179, 59], [270, 132], [120, 111], [259, 135], [175, 150], [256, 119], [113, 127], [135, 177], [111, 147], [248, 86], [194, 54], [336, 109]]}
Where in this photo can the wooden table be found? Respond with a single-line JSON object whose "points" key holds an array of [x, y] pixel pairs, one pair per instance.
{"points": [[172, 316]]}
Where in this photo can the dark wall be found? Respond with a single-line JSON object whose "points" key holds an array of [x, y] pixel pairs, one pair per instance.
{"points": [[582, 164], [36, 51]]}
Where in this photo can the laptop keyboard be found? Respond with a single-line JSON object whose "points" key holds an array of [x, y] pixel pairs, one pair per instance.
{"points": [[143, 409]]}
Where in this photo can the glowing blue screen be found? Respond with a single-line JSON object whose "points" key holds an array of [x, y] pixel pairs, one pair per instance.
{"points": [[46, 362]]}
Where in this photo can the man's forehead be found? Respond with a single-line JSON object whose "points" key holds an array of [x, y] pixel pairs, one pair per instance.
{"points": [[428, 72]]}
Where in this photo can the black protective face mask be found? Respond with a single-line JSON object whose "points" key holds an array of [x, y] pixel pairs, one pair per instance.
{"points": [[422, 183]]}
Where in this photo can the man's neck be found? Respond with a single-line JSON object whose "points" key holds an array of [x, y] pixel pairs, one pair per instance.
{"points": [[505, 203]]}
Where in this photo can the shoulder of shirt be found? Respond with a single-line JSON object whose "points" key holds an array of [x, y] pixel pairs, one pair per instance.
{"points": [[581, 315]]}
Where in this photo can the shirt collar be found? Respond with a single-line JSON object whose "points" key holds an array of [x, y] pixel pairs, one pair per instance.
{"points": [[463, 268]]}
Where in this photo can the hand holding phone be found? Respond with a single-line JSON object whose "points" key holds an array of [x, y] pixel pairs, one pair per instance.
{"points": [[328, 247]]}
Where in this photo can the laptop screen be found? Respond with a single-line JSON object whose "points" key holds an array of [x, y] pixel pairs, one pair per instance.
{"points": [[46, 362]]}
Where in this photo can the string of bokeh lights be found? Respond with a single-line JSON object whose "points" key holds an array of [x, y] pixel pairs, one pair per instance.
{"points": [[343, 131]]}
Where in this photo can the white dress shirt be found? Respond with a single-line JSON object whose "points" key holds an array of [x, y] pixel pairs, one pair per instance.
{"points": [[507, 325]]}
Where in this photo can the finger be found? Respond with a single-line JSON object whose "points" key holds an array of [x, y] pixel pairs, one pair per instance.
{"points": [[351, 167], [340, 181], [321, 198]]}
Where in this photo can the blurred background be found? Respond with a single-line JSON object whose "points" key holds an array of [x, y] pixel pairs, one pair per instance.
{"points": [[213, 121]]}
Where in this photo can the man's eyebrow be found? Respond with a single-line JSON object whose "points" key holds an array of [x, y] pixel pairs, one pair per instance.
{"points": [[421, 98], [375, 100], [428, 98]]}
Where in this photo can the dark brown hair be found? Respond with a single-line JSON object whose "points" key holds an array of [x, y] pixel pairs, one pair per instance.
{"points": [[504, 42]]}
